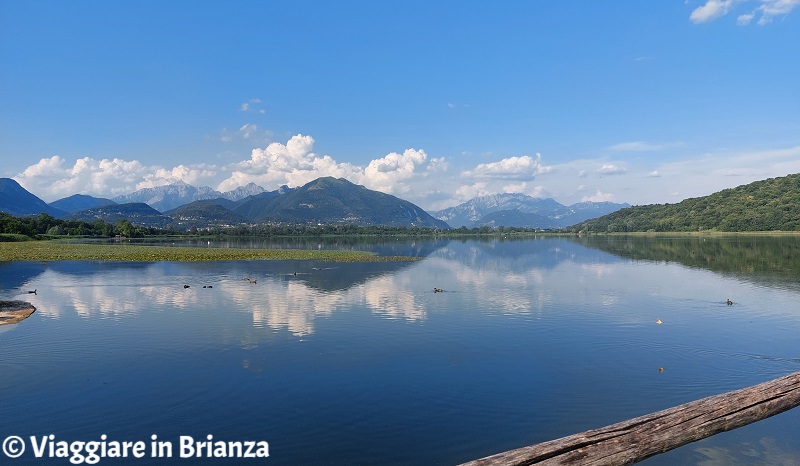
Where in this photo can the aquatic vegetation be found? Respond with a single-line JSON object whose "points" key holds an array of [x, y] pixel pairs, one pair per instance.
{"points": [[51, 251]]}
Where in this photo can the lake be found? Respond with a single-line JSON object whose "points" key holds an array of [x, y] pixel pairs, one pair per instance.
{"points": [[363, 363]]}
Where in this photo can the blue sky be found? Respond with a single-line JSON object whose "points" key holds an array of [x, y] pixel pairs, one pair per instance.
{"points": [[434, 102]]}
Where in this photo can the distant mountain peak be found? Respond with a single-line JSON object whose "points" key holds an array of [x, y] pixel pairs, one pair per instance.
{"points": [[242, 192], [520, 210], [330, 200], [78, 202], [167, 197]]}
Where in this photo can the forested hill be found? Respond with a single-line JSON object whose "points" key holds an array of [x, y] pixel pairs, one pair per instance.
{"points": [[768, 205]]}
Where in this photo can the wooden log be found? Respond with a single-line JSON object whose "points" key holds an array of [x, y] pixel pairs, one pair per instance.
{"points": [[12, 312], [634, 440]]}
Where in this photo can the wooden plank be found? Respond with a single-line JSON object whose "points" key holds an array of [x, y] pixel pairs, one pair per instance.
{"points": [[634, 440]]}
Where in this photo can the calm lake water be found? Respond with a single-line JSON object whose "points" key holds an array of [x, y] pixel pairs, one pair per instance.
{"points": [[363, 363]]}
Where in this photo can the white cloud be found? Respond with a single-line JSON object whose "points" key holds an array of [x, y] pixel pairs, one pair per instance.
{"points": [[713, 9], [438, 164], [467, 192], [414, 175], [511, 168], [610, 169], [525, 188], [51, 178], [387, 174], [599, 196], [251, 104], [295, 164], [772, 8], [292, 163], [767, 10], [511, 174], [196, 176], [248, 130]]}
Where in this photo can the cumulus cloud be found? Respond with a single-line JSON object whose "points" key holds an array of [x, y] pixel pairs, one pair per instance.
{"points": [[438, 164], [293, 163], [766, 11], [610, 169], [511, 175], [512, 168], [415, 176], [196, 176], [388, 173], [599, 196], [467, 192], [52, 178], [525, 188], [713, 9]]}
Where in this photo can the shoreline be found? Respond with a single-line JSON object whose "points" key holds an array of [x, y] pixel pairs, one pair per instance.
{"points": [[53, 251]]}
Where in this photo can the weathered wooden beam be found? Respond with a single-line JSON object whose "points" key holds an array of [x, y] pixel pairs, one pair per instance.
{"points": [[636, 439]]}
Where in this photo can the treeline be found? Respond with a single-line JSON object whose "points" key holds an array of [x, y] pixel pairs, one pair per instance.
{"points": [[768, 205], [350, 230], [45, 226]]}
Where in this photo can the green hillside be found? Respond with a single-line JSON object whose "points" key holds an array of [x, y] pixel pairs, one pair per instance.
{"points": [[768, 205]]}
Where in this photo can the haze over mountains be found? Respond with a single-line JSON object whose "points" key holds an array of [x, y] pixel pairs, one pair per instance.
{"points": [[325, 200], [171, 196], [520, 210]]}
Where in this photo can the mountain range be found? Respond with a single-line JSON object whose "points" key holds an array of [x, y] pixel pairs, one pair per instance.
{"points": [[520, 210], [325, 200], [171, 196]]}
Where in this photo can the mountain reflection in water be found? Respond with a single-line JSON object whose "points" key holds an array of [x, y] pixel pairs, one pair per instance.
{"points": [[364, 363]]}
